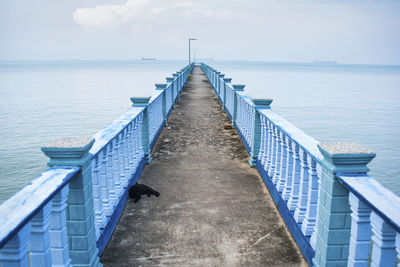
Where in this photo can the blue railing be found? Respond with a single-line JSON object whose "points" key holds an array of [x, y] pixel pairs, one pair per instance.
{"points": [[66, 216], [337, 214]]}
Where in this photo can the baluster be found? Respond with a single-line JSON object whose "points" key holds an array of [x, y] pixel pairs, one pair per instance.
{"points": [[128, 172], [283, 164], [58, 229], [271, 169], [130, 147], [303, 190], [40, 254], [140, 138], [294, 194], [127, 155], [104, 182], [116, 168], [289, 171], [100, 218], [308, 225], [125, 145], [276, 176], [136, 152], [261, 153], [383, 246], [360, 232], [313, 239], [267, 160], [122, 159], [264, 139], [110, 177], [15, 252]]}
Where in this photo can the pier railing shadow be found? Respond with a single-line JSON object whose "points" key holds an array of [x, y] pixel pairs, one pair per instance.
{"points": [[336, 213], [66, 216]]}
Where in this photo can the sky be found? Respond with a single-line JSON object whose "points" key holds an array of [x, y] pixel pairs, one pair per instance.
{"points": [[351, 31]]}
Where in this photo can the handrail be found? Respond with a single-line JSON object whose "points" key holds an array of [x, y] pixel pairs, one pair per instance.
{"points": [[19, 209], [307, 142], [379, 198], [375, 216], [105, 135]]}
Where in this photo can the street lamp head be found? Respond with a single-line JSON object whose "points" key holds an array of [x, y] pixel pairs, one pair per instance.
{"points": [[192, 39]]}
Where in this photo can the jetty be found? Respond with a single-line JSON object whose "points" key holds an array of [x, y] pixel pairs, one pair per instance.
{"points": [[240, 186]]}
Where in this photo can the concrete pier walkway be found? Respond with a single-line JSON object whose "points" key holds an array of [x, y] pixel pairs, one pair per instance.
{"points": [[213, 210]]}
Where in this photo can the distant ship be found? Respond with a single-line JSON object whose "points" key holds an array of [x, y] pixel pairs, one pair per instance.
{"points": [[149, 58], [325, 62]]}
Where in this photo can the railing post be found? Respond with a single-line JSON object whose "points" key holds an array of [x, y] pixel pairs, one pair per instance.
{"points": [[180, 81], [226, 80], [83, 249], [216, 81], [163, 86], [171, 81], [259, 103], [236, 88], [176, 86], [219, 77], [333, 219], [144, 102]]}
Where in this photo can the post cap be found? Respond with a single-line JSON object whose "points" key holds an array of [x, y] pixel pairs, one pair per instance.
{"points": [[238, 87], [175, 74], [262, 102], [170, 79], [217, 72], [221, 75], [346, 157], [228, 80], [68, 151], [161, 86], [140, 101]]}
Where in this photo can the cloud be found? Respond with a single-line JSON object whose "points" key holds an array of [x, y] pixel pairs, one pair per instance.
{"points": [[115, 15], [137, 12]]}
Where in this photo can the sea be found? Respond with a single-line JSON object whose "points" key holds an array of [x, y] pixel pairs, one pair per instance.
{"points": [[43, 100]]}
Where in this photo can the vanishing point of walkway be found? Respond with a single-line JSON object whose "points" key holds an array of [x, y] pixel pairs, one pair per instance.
{"points": [[213, 210]]}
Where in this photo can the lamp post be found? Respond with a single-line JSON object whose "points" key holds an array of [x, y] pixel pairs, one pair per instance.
{"points": [[190, 39]]}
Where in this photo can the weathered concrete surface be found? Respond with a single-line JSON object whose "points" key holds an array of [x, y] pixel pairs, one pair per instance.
{"points": [[213, 209]]}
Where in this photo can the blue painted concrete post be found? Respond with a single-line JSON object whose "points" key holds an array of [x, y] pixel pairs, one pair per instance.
{"points": [[163, 86], [259, 103], [220, 77], [216, 81], [236, 88], [83, 249], [176, 86], [180, 82], [171, 81], [144, 102], [333, 219], [226, 80]]}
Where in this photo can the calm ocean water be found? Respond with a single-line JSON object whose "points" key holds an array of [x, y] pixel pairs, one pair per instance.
{"points": [[40, 101]]}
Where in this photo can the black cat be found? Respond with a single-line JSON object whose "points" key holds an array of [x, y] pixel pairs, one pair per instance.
{"points": [[138, 190]]}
